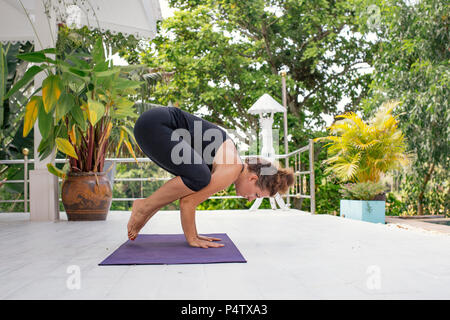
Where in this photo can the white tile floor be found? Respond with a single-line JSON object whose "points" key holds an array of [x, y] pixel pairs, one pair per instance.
{"points": [[291, 255]]}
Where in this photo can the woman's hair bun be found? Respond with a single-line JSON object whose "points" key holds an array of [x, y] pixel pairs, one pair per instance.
{"points": [[271, 175]]}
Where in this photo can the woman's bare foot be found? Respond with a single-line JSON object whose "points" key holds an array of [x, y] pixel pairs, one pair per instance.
{"points": [[139, 217]]}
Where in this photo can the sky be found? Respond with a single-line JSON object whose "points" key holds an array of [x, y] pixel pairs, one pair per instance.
{"points": [[166, 11]]}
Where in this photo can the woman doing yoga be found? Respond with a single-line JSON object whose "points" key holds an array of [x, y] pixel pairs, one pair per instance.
{"points": [[204, 160]]}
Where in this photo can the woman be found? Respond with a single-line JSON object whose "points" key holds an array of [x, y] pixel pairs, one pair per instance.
{"points": [[201, 168]]}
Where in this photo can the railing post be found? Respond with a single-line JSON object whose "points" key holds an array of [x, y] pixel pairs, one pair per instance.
{"points": [[312, 183], [25, 152], [286, 144]]}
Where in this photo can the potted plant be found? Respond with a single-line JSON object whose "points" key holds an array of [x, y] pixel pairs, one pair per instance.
{"points": [[364, 201], [361, 153], [84, 102]]}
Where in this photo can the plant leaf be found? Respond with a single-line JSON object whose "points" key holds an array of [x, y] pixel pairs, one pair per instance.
{"points": [[37, 56], [121, 138], [98, 53], [66, 147], [3, 78], [130, 149], [31, 113], [27, 77], [54, 170], [45, 121], [122, 84], [77, 114], [51, 90], [65, 103], [106, 73], [96, 110], [130, 134], [73, 135]]}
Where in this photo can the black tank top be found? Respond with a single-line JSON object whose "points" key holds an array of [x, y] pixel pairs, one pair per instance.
{"points": [[185, 120]]}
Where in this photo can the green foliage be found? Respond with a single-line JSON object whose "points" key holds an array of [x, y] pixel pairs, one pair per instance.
{"points": [[435, 195], [362, 152], [394, 206], [11, 71], [11, 126], [80, 40], [362, 190], [327, 195], [135, 189], [226, 54], [412, 66]]}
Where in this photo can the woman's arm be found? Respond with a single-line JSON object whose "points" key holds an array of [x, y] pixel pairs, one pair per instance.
{"points": [[223, 176]]}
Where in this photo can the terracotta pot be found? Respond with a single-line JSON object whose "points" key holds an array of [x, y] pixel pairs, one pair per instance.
{"points": [[86, 197]]}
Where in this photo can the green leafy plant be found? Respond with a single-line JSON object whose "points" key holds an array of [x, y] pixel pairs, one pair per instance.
{"points": [[327, 196], [362, 190], [84, 98], [11, 70], [361, 152], [395, 207]]}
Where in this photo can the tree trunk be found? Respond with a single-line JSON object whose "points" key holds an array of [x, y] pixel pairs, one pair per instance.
{"points": [[422, 191]]}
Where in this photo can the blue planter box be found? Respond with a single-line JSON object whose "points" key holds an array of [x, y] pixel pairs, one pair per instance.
{"points": [[370, 211]]}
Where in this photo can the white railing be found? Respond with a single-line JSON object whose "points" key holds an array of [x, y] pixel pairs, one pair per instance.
{"points": [[296, 189]]}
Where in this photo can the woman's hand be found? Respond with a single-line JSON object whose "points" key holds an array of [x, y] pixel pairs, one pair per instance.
{"points": [[208, 238], [200, 243]]}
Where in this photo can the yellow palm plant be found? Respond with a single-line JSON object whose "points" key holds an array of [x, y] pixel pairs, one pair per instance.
{"points": [[362, 152]]}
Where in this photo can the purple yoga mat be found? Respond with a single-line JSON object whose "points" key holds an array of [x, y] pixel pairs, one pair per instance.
{"points": [[172, 249]]}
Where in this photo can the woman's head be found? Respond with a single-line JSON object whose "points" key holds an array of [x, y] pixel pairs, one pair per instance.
{"points": [[262, 178]]}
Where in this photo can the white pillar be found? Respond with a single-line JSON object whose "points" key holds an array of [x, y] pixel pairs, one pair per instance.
{"points": [[267, 149], [44, 195], [268, 152]]}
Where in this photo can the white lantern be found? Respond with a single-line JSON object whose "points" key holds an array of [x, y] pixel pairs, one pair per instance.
{"points": [[267, 105]]}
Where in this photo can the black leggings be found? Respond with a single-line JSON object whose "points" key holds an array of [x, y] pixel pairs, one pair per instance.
{"points": [[153, 132]]}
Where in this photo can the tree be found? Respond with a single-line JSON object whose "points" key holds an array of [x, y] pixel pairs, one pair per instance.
{"points": [[412, 65], [226, 54]]}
